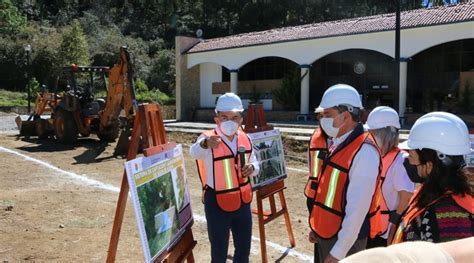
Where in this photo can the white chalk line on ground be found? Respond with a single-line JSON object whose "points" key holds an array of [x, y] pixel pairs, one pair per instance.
{"points": [[82, 178], [97, 184]]}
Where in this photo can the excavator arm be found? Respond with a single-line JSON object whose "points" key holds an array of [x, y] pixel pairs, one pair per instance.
{"points": [[120, 94]]}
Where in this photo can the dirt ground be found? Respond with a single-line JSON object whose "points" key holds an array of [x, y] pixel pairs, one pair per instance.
{"points": [[48, 212]]}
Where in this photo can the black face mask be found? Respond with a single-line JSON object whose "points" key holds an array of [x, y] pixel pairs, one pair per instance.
{"points": [[412, 172]]}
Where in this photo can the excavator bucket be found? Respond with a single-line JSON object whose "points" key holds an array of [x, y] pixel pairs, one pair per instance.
{"points": [[121, 149], [26, 128]]}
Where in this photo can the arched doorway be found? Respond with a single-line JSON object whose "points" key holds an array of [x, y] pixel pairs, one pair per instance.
{"points": [[370, 72], [259, 78], [441, 78]]}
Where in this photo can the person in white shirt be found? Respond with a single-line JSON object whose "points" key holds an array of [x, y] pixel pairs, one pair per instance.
{"points": [[347, 180], [226, 184], [395, 187], [459, 251]]}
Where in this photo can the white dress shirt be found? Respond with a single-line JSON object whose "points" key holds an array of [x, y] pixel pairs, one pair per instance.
{"points": [[362, 179], [199, 153]]}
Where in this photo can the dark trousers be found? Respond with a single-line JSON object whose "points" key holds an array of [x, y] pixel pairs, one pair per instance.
{"points": [[309, 205], [219, 223], [325, 246], [376, 242]]}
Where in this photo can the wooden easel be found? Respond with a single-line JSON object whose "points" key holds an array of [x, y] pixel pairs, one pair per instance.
{"points": [[256, 122], [148, 126]]}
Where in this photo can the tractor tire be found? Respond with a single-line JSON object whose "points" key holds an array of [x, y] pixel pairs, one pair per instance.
{"points": [[28, 128], [42, 129], [65, 128], [110, 134]]}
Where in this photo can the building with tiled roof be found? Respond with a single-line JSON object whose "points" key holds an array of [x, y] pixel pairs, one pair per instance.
{"points": [[362, 25], [436, 43]]}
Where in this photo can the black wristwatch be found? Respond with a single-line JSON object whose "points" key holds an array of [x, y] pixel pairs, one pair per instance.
{"points": [[203, 144], [394, 218]]}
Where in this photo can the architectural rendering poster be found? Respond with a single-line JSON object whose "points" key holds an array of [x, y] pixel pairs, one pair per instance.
{"points": [[268, 149], [160, 197], [470, 157]]}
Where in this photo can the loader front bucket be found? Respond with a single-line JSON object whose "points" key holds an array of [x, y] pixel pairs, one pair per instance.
{"points": [[26, 128]]}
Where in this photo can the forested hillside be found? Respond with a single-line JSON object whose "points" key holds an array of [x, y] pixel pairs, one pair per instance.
{"points": [[62, 32]]}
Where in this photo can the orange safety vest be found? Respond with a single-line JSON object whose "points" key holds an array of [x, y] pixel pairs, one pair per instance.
{"points": [[465, 201], [379, 212], [318, 149], [232, 189], [330, 200]]}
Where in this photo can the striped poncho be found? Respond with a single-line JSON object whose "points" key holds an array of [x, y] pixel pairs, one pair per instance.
{"points": [[443, 221]]}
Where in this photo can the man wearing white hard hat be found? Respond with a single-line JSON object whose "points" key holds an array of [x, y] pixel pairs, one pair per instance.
{"points": [[442, 209], [227, 192], [317, 152], [346, 179], [394, 187]]}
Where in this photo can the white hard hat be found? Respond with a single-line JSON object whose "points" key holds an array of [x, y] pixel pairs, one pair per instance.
{"points": [[443, 132], [318, 110], [382, 117], [229, 102], [340, 94], [448, 115]]}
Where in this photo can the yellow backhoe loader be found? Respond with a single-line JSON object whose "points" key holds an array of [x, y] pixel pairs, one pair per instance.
{"points": [[77, 111]]}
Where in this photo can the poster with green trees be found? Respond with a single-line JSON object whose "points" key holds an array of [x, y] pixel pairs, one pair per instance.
{"points": [[268, 148], [160, 197]]}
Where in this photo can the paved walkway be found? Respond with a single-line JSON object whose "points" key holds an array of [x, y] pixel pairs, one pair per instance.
{"points": [[300, 132], [294, 130]]}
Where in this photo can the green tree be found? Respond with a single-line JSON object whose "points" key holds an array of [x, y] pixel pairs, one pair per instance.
{"points": [[162, 73], [74, 48], [11, 20], [288, 95]]}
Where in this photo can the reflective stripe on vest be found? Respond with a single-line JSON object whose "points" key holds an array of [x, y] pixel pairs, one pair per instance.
{"points": [[317, 146], [231, 188], [329, 203], [316, 164], [379, 212], [228, 174], [465, 201], [331, 192]]}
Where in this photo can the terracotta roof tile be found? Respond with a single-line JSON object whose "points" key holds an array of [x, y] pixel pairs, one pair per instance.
{"points": [[384, 22]]}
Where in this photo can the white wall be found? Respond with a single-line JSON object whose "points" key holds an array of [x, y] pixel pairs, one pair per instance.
{"points": [[209, 73], [419, 39]]}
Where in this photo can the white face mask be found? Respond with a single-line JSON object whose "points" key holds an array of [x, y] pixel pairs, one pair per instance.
{"points": [[229, 128], [326, 124]]}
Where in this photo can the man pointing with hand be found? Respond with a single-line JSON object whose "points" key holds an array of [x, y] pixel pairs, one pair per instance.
{"points": [[227, 192]]}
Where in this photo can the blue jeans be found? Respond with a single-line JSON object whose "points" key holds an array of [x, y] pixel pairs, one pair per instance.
{"points": [[219, 223]]}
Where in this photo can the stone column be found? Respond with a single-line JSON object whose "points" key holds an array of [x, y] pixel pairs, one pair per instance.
{"points": [[304, 99], [187, 80], [234, 80], [402, 99]]}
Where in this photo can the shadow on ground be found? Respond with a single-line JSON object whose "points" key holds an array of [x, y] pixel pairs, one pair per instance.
{"points": [[93, 148]]}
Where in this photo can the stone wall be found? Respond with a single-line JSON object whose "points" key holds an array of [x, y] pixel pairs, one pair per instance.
{"points": [[187, 80], [168, 112]]}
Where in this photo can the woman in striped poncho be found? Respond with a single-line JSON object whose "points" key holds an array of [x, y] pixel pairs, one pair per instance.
{"points": [[442, 208]]}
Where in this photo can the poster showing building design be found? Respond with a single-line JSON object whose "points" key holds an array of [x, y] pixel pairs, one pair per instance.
{"points": [[160, 197], [470, 157], [268, 149]]}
